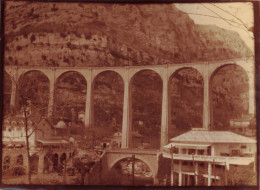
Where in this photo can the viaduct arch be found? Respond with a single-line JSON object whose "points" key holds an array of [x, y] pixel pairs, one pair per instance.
{"points": [[60, 79], [116, 77], [165, 72], [24, 79], [172, 83], [216, 71], [140, 74]]}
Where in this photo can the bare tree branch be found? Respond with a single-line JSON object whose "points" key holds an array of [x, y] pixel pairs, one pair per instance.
{"points": [[231, 15]]}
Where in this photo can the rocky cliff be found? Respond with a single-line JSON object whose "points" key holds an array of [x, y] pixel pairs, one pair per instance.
{"points": [[78, 34]]}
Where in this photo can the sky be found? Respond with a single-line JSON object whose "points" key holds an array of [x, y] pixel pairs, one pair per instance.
{"points": [[241, 11]]}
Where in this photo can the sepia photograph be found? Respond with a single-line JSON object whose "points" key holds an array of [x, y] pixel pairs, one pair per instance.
{"points": [[127, 94]]}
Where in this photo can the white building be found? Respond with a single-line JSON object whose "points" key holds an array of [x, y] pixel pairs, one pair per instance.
{"points": [[194, 155], [14, 133]]}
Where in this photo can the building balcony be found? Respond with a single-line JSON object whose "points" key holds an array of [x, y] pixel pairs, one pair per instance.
{"points": [[220, 160]]}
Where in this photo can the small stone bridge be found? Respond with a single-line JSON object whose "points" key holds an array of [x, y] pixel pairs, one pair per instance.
{"points": [[149, 157]]}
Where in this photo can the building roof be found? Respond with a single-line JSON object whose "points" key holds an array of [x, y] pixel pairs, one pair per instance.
{"points": [[245, 117], [61, 125], [241, 120], [19, 120], [53, 142], [212, 137], [117, 134], [136, 134]]}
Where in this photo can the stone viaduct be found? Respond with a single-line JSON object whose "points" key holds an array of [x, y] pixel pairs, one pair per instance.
{"points": [[206, 69]]}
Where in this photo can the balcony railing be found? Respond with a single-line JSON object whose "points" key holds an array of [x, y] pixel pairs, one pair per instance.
{"points": [[220, 160]]}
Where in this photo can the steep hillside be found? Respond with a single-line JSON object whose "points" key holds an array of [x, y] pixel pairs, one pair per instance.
{"points": [[73, 34]]}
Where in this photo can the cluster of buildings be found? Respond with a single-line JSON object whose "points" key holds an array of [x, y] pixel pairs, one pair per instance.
{"points": [[49, 144], [197, 157]]}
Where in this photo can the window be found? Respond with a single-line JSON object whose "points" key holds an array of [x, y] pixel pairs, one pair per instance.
{"points": [[191, 151], [175, 150], [184, 151], [6, 163], [243, 146], [209, 151], [235, 152], [185, 163], [200, 152], [19, 160]]}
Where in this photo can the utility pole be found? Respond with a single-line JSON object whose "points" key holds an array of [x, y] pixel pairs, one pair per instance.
{"points": [[225, 174], [172, 168], [133, 169]]}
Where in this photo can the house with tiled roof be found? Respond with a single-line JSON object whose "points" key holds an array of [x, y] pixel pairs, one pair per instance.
{"points": [[196, 152]]}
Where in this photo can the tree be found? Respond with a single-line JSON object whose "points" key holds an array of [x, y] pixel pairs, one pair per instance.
{"points": [[242, 175], [83, 162], [32, 103]]}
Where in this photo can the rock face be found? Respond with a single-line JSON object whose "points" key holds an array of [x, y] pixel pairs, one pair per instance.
{"points": [[78, 34]]}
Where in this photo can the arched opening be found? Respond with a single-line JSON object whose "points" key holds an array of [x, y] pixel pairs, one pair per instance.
{"points": [[70, 97], [108, 93], [6, 163], [19, 160], [63, 158], [34, 160], [185, 101], [122, 173], [33, 93], [7, 93], [146, 104], [229, 95], [48, 163], [55, 161]]}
